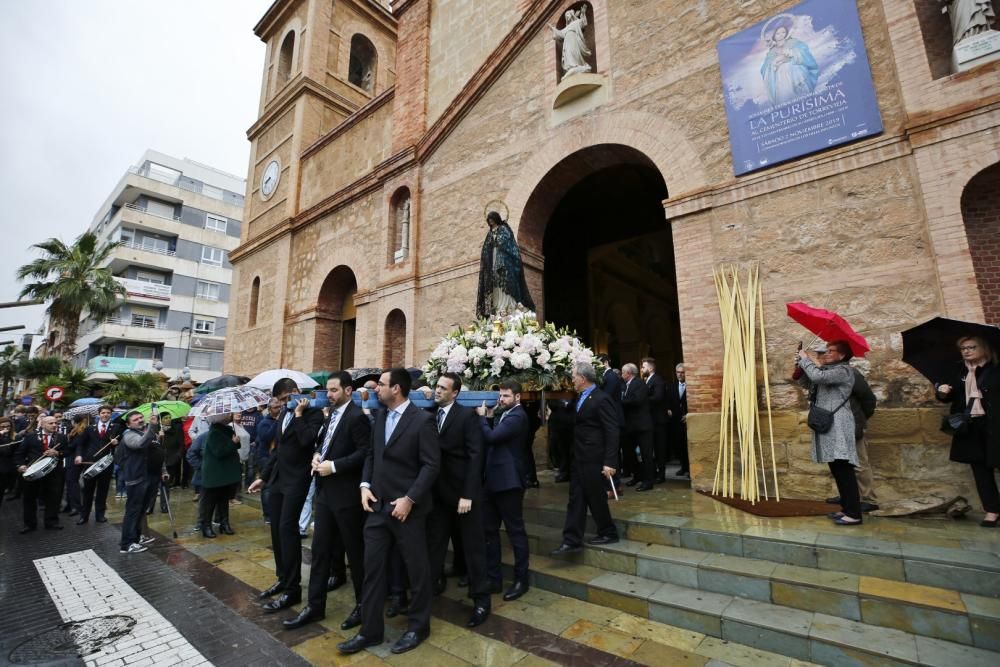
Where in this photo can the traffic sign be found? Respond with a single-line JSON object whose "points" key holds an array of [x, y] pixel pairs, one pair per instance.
{"points": [[54, 393]]}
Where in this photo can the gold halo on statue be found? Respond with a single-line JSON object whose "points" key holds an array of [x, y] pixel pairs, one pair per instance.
{"points": [[495, 205], [763, 30]]}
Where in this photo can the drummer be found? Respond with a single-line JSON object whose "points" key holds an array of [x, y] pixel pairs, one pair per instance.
{"points": [[48, 489], [99, 441]]}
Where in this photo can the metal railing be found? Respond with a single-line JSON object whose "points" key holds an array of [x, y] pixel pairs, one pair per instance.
{"points": [[140, 288], [139, 246], [141, 209], [127, 322]]}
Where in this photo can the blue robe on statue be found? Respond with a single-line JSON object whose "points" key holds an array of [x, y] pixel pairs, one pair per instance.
{"points": [[501, 274], [789, 71]]}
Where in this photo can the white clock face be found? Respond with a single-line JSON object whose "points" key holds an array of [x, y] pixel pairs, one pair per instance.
{"points": [[269, 180]]}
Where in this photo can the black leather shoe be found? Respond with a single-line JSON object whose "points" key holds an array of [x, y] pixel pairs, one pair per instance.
{"points": [[358, 643], [644, 487], [206, 531], [305, 617], [74, 513], [833, 501], [479, 617], [602, 539], [632, 482], [660, 479], [409, 641], [284, 602], [533, 483], [352, 621], [438, 585], [562, 477], [868, 507], [335, 582], [226, 529], [101, 519], [496, 587], [82, 520], [26, 529], [275, 587], [397, 606], [463, 581], [565, 549], [516, 590]]}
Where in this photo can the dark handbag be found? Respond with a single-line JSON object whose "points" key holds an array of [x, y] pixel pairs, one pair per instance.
{"points": [[820, 419], [957, 423]]}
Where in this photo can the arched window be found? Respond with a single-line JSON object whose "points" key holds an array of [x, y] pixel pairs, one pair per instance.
{"points": [[394, 345], [981, 214], [361, 69], [254, 300], [399, 236], [285, 57]]}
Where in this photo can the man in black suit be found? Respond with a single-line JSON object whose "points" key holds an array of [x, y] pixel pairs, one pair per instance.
{"points": [[288, 475], [99, 440], [611, 384], [396, 490], [657, 389], [595, 455], [505, 484], [342, 447], [677, 409], [458, 501], [48, 442], [638, 429]]}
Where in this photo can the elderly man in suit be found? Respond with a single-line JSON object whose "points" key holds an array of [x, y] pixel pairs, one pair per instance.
{"points": [[638, 429], [288, 475], [504, 476], [396, 490], [342, 447], [595, 455], [458, 499], [48, 489]]}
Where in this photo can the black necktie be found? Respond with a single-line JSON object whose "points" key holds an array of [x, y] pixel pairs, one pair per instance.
{"points": [[440, 418]]}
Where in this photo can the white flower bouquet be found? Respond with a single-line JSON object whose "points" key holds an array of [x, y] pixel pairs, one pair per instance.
{"points": [[511, 347]]}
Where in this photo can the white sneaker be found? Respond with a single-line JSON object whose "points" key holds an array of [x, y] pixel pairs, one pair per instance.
{"points": [[133, 549], [143, 540]]}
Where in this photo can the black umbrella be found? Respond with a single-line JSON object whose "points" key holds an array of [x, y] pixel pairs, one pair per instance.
{"points": [[221, 382], [931, 347]]}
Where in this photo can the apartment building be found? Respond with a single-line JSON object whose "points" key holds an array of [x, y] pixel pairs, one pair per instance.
{"points": [[176, 221]]}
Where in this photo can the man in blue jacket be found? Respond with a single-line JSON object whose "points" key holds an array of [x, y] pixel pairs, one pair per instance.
{"points": [[504, 477]]}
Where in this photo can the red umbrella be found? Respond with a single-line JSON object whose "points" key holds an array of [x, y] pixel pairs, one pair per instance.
{"points": [[827, 325]]}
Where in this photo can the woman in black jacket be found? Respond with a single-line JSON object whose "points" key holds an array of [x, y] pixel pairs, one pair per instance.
{"points": [[977, 392]]}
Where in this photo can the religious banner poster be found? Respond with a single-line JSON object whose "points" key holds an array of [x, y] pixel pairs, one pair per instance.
{"points": [[796, 84]]}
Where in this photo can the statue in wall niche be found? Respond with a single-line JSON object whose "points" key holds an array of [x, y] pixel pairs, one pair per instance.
{"points": [[502, 287], [574, 42], [968, 17]]}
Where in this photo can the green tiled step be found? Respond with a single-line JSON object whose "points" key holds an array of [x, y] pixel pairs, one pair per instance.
{"points": [[967, 571], [933, 612], [795, 633]]}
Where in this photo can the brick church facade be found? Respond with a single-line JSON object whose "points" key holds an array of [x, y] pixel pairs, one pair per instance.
{"points": [[383, 133]]}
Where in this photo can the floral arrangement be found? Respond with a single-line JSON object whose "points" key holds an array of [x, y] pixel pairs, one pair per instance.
{"points": [[510, 347]]}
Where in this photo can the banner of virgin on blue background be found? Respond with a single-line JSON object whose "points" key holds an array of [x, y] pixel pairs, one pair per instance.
{"points": [[797, 83]]}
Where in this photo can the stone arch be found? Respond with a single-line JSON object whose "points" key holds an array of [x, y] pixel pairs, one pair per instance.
{"points": [[394, 341], [363, 63], [400, 222], [254, 301], [286, 57], [981, 218], [660, 141], [336, 317]]}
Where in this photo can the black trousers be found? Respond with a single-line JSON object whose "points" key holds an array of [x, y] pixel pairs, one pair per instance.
{"points": [[443, 521], [847, 487], [646, 469], [343, 527], [660, 447], [48, 490], [285, 507], [410, 536], [73, 495], [135, 509], [8, 480], [156, 489], [587, 490], [212, 502], [506, 506], [95, 494], [679, 442], [174, 470], [986, 485]]}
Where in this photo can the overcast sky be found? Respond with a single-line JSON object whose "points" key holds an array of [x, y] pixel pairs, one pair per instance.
{"points": [[89, 85]]}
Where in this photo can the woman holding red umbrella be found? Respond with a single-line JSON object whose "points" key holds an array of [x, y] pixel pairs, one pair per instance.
{"points": [[977, 442]]}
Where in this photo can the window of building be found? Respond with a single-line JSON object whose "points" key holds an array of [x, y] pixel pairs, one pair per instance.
{"points": [[208, 291], [361, 67], [254, 300], [400, 235], [212, 191], [210, 255], [126, 236], [154, 244], [132, 352], [145, 317], [204, 326], [216, 223], [161, 209], [152, 278], [285, 56], [200, 359], [158, 172]]}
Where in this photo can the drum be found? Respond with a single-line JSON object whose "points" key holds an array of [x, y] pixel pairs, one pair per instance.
{"points": [[99, 466], [41, 468]]}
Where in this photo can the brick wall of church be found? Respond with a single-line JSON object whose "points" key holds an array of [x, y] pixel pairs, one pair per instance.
{"points": [[981, 211]]}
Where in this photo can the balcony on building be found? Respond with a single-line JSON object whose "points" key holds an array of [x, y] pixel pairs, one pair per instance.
{"points": [[144, 291]]}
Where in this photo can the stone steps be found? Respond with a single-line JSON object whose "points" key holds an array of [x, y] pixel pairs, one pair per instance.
{"points": [[933, 612], [962, 570]]}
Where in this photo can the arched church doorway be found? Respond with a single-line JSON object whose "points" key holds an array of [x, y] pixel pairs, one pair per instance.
{"points": [[981, 214], [597, 218], [336, 321]]}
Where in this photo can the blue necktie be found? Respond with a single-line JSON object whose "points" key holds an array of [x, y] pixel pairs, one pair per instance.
{"points": [[580, 401], [390, 425], [440, 418]]}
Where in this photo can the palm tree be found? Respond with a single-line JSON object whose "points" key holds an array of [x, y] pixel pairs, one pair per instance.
{"points": [[36, 368], [10, 359], [135, 388], [72, 279]]}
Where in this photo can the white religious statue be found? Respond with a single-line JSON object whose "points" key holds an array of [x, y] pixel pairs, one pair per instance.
{"points": [[968, 17], [574, 43]]}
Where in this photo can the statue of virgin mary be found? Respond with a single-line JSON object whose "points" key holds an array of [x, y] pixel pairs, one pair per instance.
{"points": [[501, 275]]}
